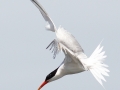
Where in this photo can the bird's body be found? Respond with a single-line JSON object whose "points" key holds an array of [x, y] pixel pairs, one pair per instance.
{"points": [[75, 60], [70, 66]]}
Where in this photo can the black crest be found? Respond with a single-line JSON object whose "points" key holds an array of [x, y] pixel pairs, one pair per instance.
{"points": [[52, 74]]}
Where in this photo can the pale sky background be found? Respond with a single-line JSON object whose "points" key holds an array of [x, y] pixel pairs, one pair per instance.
{"points": [[24, 61]]}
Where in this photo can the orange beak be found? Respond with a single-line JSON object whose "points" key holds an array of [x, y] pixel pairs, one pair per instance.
{"points": [[45, 82]]}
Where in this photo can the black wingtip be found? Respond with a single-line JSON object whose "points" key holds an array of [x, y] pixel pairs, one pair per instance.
{"points": [[32, 0], [49, 44]]}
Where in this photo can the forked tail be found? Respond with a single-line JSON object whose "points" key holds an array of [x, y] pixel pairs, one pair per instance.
{"points": [[96, 66]]}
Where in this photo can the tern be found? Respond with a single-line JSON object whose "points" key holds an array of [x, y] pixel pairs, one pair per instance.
{"points": [[75, 60]]}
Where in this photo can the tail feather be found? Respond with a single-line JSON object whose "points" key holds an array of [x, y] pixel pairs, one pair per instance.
{"points": [[96, 65]]}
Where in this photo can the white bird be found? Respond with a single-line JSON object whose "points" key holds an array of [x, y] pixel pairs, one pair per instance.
{"points": [[75, 60]]}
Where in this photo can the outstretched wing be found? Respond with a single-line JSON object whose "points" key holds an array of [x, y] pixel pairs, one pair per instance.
{"points": [[71, 44], [50, 26]]}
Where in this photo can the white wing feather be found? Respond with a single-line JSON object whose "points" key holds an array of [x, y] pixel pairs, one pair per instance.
{"points": [[50, 25]]}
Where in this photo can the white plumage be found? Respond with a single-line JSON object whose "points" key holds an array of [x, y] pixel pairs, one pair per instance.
{"points": [[75, 60]]}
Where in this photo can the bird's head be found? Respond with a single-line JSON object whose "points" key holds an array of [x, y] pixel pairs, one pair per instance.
{"points": [[50, 77]]}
